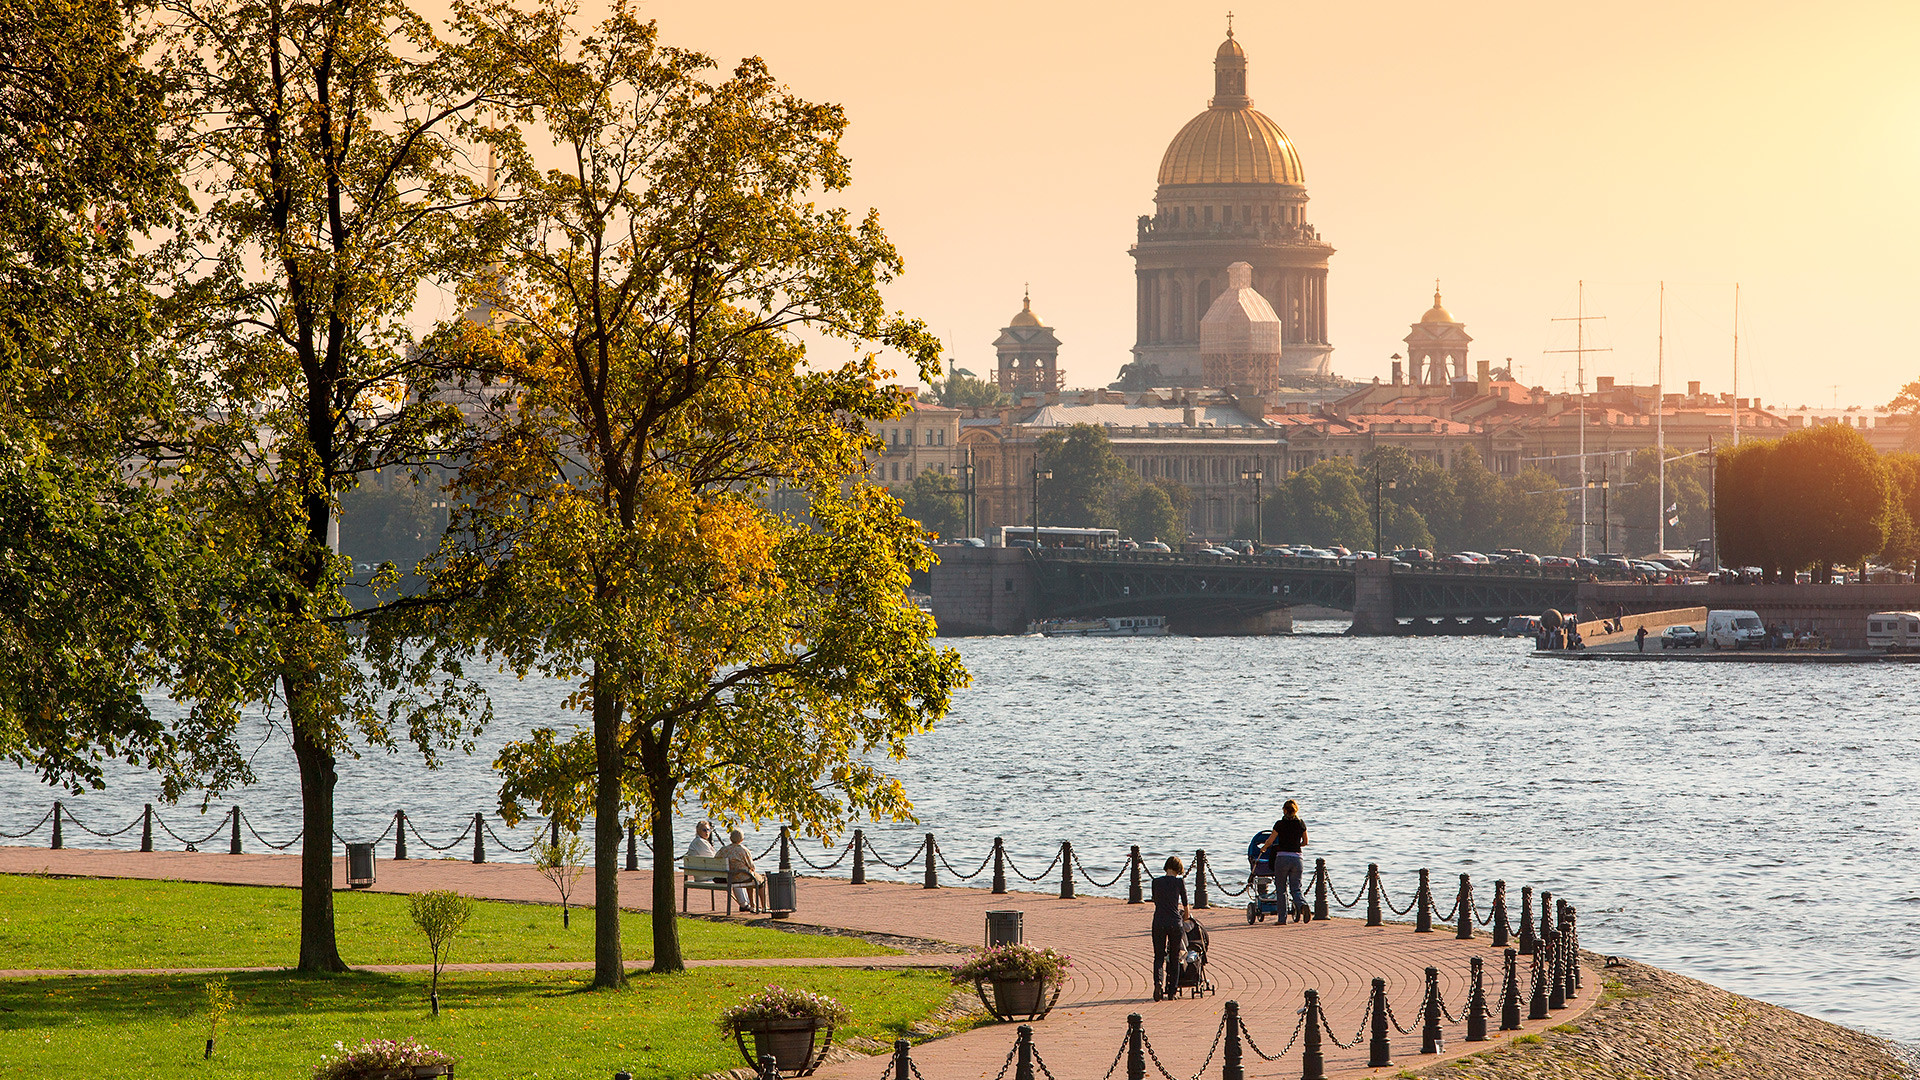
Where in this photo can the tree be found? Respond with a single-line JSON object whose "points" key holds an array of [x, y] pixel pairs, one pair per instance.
{"points": [[962, 391], [656, 288], [392, 517], [1637, 500], [1088, 477], [1535, 514], [1148, 514], [1742, 511], [1322, 505], [934, 501], [440, 914], [560, 863], [1830, 500], [1903, 519], [330, 146]]}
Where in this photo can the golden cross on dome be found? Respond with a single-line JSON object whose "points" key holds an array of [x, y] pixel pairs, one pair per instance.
{"points": [[1229, 24]]}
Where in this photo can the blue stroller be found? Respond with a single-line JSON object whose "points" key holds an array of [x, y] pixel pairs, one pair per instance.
{"points": [[1266, 899]]}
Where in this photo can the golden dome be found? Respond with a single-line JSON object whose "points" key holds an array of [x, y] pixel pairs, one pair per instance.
{"points": [[1232, 142], [1436, 314], [1026, 317], [1231, 146]]}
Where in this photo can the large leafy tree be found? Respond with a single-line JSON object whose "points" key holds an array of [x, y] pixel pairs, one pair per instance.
{"points": [[1637, 506], [961, 390], [330, 148], [1903, 517], [1149, 514], [1089, 478], [1323, 504], [654, 290], [1830, 499], [936, 503], [1742, 509]]}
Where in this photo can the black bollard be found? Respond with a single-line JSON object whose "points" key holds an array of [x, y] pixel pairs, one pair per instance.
{"points": [[399, 836], [58, 840], [1572, 930], [1430, 1037], [1023, 1053], [146, 828], [1555, 950], [633, 844], [769, 1068], [1537, 1001], [1477, 1002], [786, 859], [1463, 927], [1136, 1058], [860, 857], [1231, 1069], [479, 839], [999, 866], [902, 1060], [1313, 1063], [233, 844], [1373, 895], [1066, 869], [1379, 1053], [1527, 941], [1320, 911], [1133, 876], [1200, 879], [1510, 993], [1546, 918], [1423, 906], [1500, 928], [932, 878]]}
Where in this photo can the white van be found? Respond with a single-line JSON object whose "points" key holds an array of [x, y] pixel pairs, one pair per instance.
{"points": [[1735, 630], [1896, 631]]}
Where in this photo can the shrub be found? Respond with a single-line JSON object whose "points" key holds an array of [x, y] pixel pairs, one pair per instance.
{"points": [[376, 1059], [779, 1003], [439, 914], [1013, 962]]}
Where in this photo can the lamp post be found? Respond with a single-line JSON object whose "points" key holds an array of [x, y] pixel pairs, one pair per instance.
{"points": [[967, 493], [1039, 474], [1378, 548], [1606, 541], [1259, 532]]}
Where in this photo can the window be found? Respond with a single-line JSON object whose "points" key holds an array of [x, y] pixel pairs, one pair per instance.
{"points": [[896, 470], [1206, 214], [942, 440], [986, 470], [929, 436]]}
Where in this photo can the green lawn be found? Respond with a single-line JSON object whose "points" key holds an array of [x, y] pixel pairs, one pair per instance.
{"points": [[508, 1026], [118, 923]]}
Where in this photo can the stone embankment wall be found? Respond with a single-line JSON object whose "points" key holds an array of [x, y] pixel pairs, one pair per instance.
{"points": [[1655, 1025], [983, 591], [1837, 613]]}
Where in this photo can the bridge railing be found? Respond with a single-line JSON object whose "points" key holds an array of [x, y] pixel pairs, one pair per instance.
{"points": [[1296, 562]]}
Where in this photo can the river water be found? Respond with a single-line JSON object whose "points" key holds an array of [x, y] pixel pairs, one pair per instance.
{"points": [[1755, 826]]}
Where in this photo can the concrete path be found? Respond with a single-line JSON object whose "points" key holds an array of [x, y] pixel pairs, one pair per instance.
{"points": [[1264, 966]]}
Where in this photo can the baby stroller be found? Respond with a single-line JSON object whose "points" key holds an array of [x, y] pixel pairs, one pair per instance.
{"points": [[1193, 960], [1266, 900]]}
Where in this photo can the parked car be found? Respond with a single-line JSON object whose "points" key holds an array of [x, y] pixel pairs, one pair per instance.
{"points": [[1413, 555], [1681, 637], [1558, 560], [1153, 545]]}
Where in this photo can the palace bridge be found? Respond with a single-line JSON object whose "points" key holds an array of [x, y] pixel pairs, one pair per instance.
{"points": [[1000, 590]]}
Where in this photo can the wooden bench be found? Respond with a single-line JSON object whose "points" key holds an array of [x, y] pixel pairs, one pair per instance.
{"points": [[715, 875]]}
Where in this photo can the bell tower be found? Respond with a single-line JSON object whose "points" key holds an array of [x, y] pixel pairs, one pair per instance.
{"points": [[1029, 353]]}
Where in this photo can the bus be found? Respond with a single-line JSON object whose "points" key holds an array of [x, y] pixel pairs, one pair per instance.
{"points": [[1055, 536]]}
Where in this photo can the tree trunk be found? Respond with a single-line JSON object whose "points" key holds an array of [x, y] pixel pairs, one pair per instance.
{"points": [[666, 922], [319, 950], [609, 967]]}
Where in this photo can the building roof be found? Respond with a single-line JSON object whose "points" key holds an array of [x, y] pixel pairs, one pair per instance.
{"points": [[1025, 316], [1232, 142], [1437, 313], [1116, 414]]}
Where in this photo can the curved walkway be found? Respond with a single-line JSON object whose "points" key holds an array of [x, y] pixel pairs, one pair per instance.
{"points": [[1265, 967]]}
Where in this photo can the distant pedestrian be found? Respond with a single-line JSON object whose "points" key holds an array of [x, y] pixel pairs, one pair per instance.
{"points": [[1169, 914], [1284, 847], [1640, 638]]}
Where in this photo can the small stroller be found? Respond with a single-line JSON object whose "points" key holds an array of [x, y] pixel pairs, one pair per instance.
{"points": [[1193, 960], [1266, 899]]}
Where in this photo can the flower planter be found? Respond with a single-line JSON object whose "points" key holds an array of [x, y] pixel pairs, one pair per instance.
{"points": [[409, 1072], [797, 1046], [1018, 999]]}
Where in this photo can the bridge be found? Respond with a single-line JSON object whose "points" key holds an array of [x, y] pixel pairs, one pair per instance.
{"points": [[998, 590]]}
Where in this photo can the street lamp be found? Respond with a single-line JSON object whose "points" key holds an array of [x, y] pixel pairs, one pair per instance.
{"points": [[1259, 532], [1039, 474], [1606, 539], [1391, 485]]}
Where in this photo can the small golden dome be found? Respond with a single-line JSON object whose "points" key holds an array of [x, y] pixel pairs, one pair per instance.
{"points": [[1436, 314], [1230, 47], [1026, 317], [1231, 146]]}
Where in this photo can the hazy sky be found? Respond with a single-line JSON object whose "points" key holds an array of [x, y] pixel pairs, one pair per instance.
{"points": [[1508, 149]]}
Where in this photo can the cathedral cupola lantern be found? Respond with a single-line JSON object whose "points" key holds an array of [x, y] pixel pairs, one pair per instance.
{"points": [[1028, 352], [1437, 346]]}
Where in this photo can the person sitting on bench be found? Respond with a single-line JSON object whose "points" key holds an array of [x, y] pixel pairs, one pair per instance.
{"points": [[741, 872]]}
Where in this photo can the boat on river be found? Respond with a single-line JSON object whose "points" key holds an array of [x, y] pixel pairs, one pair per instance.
{"points": [[1112, 626]]}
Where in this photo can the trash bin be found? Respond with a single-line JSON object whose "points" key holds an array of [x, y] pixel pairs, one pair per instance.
{"points": [[359, 866], [1004, 928], [782, 895]]}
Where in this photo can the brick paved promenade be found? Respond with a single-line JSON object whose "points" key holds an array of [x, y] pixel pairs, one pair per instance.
{"points": [[1265, 967]]}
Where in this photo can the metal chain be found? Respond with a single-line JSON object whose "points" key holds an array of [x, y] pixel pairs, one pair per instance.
{"points": [[1365, 1015], [1007, 1064], [1448, 1013], [1299, 1025], [1335, 893], [1117, 1055], [977, 871], [1451, 912], [844, 849], [439, 847], [1110, 882], [903, 863], [1041, 1063], [1202, 1071], [277, 847], [1395, 1021], [164, 827], [888, 1071], [44, 818], [1036, 877], [1488, 921], [103, 835], [496, 839], [1241, 891], [914, 1068], [1385, 899]]}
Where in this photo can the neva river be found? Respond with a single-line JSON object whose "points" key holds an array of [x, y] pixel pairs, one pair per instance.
{"points": [[1755, 826]]}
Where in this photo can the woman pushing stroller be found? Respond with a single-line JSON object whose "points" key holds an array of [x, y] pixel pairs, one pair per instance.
{"points": [[1282, 851]]}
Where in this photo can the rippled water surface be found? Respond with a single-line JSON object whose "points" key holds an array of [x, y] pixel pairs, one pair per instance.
{"points": [[1756, 826]]}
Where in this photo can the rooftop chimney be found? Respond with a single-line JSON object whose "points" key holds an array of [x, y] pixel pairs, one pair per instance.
{"points": [[1485, 375], [1399, 374], [1187, 416], [1693, 388], [1602, 384]]}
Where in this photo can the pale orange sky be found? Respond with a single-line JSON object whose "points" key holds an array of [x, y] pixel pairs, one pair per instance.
{"points": [[1509, 149]]}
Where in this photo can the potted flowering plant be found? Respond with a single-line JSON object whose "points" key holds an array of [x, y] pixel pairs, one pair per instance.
{"points": [[1026, 980], [795, 1026], [384, 1059]]}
